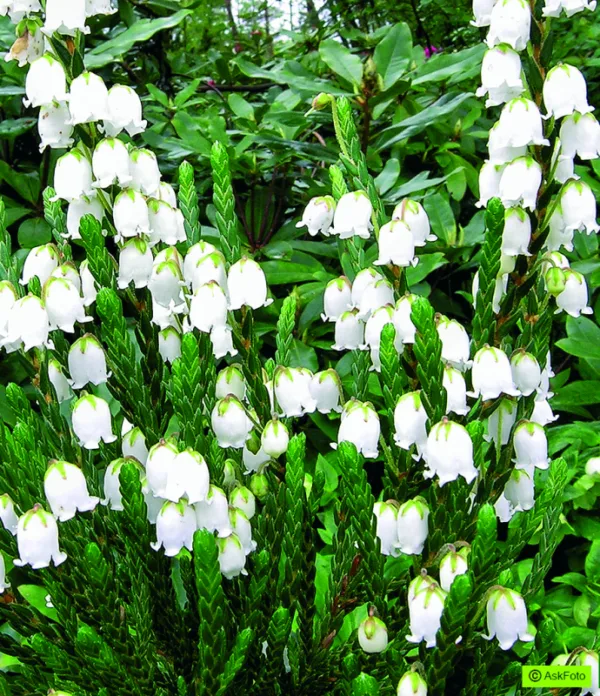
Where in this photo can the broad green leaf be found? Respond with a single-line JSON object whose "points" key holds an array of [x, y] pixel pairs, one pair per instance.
{"points": [[388, 176], [343, 63], [393, 53], [34, 232], [441, 217], [190, 131], [302, 355], [13, 127], [580, 393], [454, 67], [583, 339], [592, 562], [240, 106], [427, 264], [36, 596], [26, 185]]}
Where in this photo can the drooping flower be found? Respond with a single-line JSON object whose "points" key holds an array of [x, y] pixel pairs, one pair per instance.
{"points": [[455, 342], [124, 112], [27, 326], [211, 267], [135, 264], [64, 305], [188, 477], [520, 183], [405, 329], [519, 490], [46, 82], [507, 618], [574, 298], [87, 362], [501, 421], [213, 513], [88, 99], [291, 386], [77, 210], [133, 444], [491, 374], [349, 332], [41, 261], [166, 286], [411, 684], [232, 559], [396, 245], [490, 175], [247, 285], [37, 540], [73, 177], [387, 526], [145, 174], [337, 298], [318, 215], [230, 380], [580, 135], [54, 126], [526, 372], [193, 256], [66, 490], [208, 307], [65, 17], [221, 338], [353, 216], [364, 279], [456, 391], [449, 453], [8, 516], [158, 465], [375, 324], [360, 426], [326, 389], [565, 91], [240, 524], [275, 438], [482, 9], [230, 423], [578, 207], [510, 23], [500, 75], [110, 163], [244, 499], [29, 46], [452, 565], [409, 421], [414, 216], [92, 422], [59, 381], [517, 232], [175, 527], [376, 295], [520, 124], [425, 614], [531, 446], [413, 526], [553, 8]]}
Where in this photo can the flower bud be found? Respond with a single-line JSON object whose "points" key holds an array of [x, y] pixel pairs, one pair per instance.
{"points": [[520, 124], [88, 102], [275, 439], [387, 527], [325, 388], [360, 426], [159, 464], [65, 17], [449, 453], [133, 445], [352, 216], [337, 298], [45, 83], [565, 91], [501, 421], [175, 527], [526, 372], [145, 174], [531, 446], [411, 684], [321, 101], [455, 342], [520, 183], [242, 529], [452, 565], [376, 295], [193, 256], [27, 324], [363, 280], [318, 216], [578, 207], [41, 261], [37, 540], [230, 423], [349, 332], [244, 499], [409, 421], [213, 513], [124, 112], [232, 559], [580, 135], [517, 232], [425, 614], [110, 163], [396, 245], [456, 391], [130, 214], [259, 485], [187, 477], [292, 392], [413, 526], [64, 305], [92, 422], [507, 618], [7, 514], [230, 474], [231, 380], [247, 285], [416, 219], [54, 126], [87, 362], [372, 635], [66, 490], [510, 23], [208, 308], [169, 344], [492, 374], [500, 76], [574, 298]]}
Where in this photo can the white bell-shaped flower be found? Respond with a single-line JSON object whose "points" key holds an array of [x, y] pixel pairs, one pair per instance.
{"points": [[492, 374], [542, 413], [37, 540], [405, 329], [526, 372], [8, 516], [59, 381], [517, 232], [396, 245], [193, 255], [589, 658], [349, 332], [499, 152], [232, 558], [578, 207], [135, 264], [574, 298], [449, 453], [520, 124], [46, 82], [519, 491], [565, 91], [240, 524], [501, 422], [87, 362], [425, 615], [230, 423], [110, 163], [414, 216], [167, 194], [531, 446], [318, 215], [54, 126], [455, 342], [413, 527], [41, 261], [8, 298], [92, 422], [507, 618], [27, 325], [275, 438], [352, 216], [360, 425], [419, 583], [482, 9], [208, 307], [503, 509], [247, 285], [99, 7], [210, 267], [88, 100], [411, 684], [29, 46], [65, 17], [230, 380], [510, 23], [456, 391], [520, 183], [244, 499], [124, 112], [565, 169], [169, 254], [66, 490], [372, 635], [73, 177], [17, 9], [64, 305], [373, 328], [67, 271], [159, 464], [376, 295], [145, 174], [558, 236], [112, 486], [490, 175], [364, 279], [169, 344], [291, 387], [254, 458], [387, 526], [409, 421], [500, 75], [188, 477], [452, 565], [213, 513], [326, 390], [77, 210], [580, 135], [221, 338], [553, 8], [175, 527], [337, 298], [166, 286]]}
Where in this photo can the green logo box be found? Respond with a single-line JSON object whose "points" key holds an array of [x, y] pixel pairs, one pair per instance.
{"points": [[557, 676]]}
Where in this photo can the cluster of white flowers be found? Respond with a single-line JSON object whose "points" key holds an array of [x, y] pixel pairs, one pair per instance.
{"points": [[511, 172]]}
